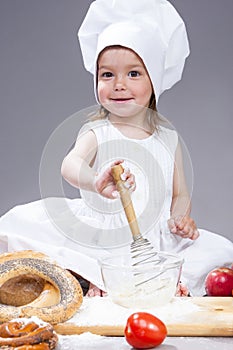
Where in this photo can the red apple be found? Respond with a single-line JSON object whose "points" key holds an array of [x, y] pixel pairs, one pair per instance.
{"points": [[219, 282]]}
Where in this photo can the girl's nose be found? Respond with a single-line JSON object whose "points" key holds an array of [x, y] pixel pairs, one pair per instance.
{"points": [[119, 83]]}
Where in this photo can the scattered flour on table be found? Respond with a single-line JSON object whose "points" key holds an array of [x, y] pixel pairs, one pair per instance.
{"points": [[99, 311], [89, 341], [68, 342]]}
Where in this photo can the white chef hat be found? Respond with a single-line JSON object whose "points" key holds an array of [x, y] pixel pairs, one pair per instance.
{"points": [[152, 28]]}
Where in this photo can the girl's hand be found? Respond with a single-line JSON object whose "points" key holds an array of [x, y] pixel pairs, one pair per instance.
{"points": [[183, 226], [94, 291], [105, 184], [182, 290]]}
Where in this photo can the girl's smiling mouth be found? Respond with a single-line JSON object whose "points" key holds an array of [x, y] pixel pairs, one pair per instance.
{"points": [[121, 100]]}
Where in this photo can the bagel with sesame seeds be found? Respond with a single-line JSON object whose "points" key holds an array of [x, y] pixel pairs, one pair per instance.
{"points": [[60, 298]]}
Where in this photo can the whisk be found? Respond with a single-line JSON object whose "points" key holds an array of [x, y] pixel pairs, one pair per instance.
{"points": [[142, 251]]}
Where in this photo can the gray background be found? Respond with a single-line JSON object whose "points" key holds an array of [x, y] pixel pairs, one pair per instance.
{"points": [[43, 82]]}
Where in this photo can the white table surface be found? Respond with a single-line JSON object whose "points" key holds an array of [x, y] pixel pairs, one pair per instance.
{"points": [[88, 341]]}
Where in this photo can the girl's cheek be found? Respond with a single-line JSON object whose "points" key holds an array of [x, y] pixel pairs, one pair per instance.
{"points": [[101, 91], [100, 85]]}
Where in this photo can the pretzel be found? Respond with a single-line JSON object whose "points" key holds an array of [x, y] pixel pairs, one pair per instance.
{"points": [[27, 334]]}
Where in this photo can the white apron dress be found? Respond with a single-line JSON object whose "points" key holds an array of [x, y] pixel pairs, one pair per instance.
{"points": [[77, 233]]}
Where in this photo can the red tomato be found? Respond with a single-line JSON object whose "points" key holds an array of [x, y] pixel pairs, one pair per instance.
{"points": [[144, 331]]}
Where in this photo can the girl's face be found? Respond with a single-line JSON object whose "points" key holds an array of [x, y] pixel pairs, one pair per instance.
{"points": [[123, 84]]}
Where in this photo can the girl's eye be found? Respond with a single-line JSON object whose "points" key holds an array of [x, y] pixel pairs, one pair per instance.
{"points": [[107, 75], [134, 74]]}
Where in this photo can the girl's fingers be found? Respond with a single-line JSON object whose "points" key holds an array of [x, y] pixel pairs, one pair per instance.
{"points": [[179, 222], [183, 226], [117, 162], [189, 233], [172, 225], [129, 180], [195, 235], [186, 229], [126, 174], [115, 194]]}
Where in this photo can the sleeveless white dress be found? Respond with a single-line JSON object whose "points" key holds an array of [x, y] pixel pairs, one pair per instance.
{"points": [[77, 233]]}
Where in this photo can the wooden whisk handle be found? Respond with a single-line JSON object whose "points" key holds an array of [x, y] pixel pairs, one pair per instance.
{"points": [[126, 201]]}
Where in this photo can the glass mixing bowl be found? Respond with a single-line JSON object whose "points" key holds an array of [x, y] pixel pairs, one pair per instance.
{"points": [[145, 285]]}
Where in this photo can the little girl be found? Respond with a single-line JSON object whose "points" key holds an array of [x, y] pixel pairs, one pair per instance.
{"points": [[125, 91], [135, 50]]}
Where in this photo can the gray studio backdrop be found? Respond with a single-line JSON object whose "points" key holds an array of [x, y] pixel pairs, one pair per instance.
{"points": [[42, 82]]}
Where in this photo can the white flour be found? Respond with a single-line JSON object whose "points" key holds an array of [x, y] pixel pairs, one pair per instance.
{"points": [[99, 311], [28, 320], [89, 341], [152, 294]]}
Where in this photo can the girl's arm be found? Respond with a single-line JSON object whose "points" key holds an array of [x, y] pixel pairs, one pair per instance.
{"points": [[77, 169], [76, 166], [181, 205], [180, 222]]}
